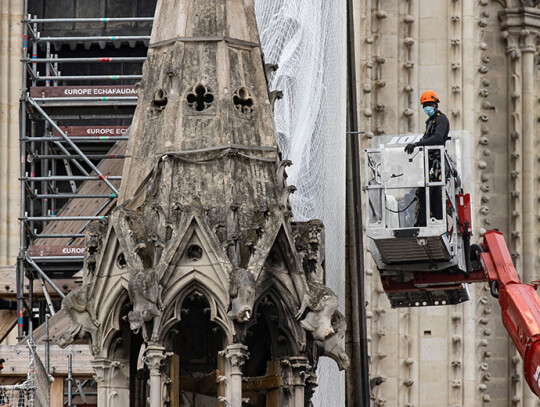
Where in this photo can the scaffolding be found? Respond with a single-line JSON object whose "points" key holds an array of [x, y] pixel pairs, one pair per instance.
{"points": [[73, 135]]}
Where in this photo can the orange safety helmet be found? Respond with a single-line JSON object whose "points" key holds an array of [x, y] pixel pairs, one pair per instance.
{"points": [[429, 96]]}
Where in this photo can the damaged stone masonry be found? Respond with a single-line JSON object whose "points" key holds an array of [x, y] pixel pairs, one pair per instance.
{"points": [[200, 287]]}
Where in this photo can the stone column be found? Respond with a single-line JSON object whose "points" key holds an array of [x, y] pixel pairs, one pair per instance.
{"points": [[112, 377], [300, 368], [236, 355], [528, 50], [520, 30], [153, 358], [11, 33]]}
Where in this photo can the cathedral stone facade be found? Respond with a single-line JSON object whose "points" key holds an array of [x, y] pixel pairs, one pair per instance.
{"points": [[481, 58]]}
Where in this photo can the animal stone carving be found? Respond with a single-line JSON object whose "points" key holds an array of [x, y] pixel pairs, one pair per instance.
{"points": [[79, 306], [320, 303], [242, 292], [93, 244], [145, 294], [332, 346]]}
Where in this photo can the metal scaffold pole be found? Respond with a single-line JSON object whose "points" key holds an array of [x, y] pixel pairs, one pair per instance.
{"points": [[22, 135], [358, 380], [69, 136]]}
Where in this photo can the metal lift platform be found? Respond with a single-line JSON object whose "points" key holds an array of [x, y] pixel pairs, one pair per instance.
{"points": [[419, 264]]}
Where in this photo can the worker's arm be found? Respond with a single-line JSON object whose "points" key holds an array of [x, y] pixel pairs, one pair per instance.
{"points": [[442, 126]]}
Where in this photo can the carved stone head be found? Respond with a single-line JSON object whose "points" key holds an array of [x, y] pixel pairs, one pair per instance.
{"points": [[136, 321], [333, 346], [242, 292]]}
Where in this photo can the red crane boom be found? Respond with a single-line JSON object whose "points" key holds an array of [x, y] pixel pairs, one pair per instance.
{"points": [[520, 305]]}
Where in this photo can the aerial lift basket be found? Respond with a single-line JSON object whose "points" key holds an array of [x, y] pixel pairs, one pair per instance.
{"points": [[419, 264]]}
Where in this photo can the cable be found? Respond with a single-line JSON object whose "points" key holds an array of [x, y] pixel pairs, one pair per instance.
{"points": [[404, 209]]}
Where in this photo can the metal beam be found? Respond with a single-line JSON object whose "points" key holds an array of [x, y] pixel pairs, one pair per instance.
{"points": [[73, 145]]}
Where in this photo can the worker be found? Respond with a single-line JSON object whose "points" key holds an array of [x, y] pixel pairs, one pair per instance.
{"points": [[436, 134]]}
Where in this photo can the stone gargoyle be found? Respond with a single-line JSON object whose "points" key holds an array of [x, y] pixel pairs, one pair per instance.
{"points": [[93, 243], [332, 346], [79, 306], [320, 302], [145, 294], [242, 292]]}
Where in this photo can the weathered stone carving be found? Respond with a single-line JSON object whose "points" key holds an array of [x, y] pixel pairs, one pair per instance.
{"points": [[95, 232], [145, 294], [80, 308], [204, 210], [321, 303], [242, 292], [333, 345]]}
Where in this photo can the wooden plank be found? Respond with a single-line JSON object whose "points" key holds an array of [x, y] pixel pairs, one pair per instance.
{"points": [[261, 383], [273, 397], [58, 323], [82, 91], [8, 319], [256, 399], [57, 392], [44, 251], [207, 386], [175, 380], [82, 131], [10, 380], [16, 357], [80, 206], [8, 288]]}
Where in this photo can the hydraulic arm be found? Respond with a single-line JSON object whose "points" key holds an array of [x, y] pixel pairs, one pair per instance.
{"points": [[520, 305]]}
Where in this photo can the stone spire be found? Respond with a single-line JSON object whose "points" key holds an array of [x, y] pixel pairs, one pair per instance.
{"points": [[204, 85], [204, 225]]}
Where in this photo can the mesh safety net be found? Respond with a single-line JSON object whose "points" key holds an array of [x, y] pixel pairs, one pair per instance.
{"points": [[307, 40]]}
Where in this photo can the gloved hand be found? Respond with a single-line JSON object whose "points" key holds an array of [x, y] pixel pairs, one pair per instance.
{"points": [[409, 148]]}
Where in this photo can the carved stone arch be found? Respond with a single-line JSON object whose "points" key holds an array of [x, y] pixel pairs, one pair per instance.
{"points": [[175, 296], [288, 305], [110, 319], [270, 335]]}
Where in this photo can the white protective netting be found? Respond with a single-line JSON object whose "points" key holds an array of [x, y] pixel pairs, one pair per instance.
{"points": [[14, 396], [307, 40], [20, 395]]}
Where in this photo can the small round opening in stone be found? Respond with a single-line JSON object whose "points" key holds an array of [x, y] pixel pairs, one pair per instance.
{"points": [[194, 252], [160, 99], [121, 261]]}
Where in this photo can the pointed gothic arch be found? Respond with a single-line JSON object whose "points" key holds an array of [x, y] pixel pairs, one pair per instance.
{"points": [[195, 282], [273, 332]]}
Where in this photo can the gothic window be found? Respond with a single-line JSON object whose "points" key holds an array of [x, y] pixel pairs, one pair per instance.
{"points": [[243, 101], [200, 97]]}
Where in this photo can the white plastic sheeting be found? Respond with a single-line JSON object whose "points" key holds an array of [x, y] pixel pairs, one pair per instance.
{"points": [[307, 40]]}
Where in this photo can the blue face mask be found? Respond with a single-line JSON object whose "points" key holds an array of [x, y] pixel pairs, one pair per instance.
{"points": [[429, 110]]}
